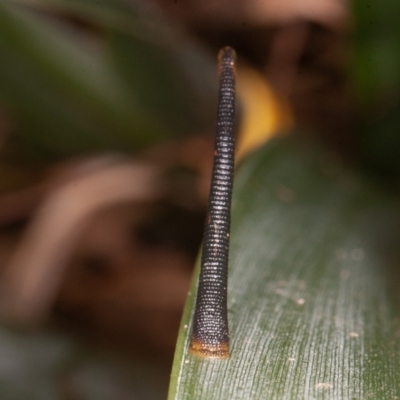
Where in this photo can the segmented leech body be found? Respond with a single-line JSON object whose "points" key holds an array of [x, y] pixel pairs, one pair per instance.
{"points": [[210, 334]]}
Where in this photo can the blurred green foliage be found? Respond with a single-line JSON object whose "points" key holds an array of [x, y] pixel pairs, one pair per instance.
{"points": [[376, 74], [376, 68], [120, 81], [50, 365]]}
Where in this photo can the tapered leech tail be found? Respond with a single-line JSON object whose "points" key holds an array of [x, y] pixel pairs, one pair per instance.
{"points": [[210, 334]]}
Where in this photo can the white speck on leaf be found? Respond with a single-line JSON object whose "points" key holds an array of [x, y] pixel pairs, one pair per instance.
{"points": [[323, 385]]}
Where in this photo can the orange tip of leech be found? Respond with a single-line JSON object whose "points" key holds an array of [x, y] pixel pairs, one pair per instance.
{"points": [[204, 350]]}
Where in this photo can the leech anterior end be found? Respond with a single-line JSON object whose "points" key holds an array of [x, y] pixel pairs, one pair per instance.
{"points": [[210, 334]]}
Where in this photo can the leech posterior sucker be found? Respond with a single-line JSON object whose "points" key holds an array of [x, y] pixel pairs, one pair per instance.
{"points": [[210, 334]]}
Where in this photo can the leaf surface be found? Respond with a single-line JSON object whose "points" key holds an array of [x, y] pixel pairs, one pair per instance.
{"points": [[312, 311]]}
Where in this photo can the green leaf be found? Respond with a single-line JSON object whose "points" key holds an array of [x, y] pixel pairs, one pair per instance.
{"points": [[314, 248]]}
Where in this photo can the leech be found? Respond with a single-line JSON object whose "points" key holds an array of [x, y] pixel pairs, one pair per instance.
{"points": [[210, 334]]}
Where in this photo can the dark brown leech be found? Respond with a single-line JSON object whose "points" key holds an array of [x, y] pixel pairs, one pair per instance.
{"points": [[210, 335]]}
